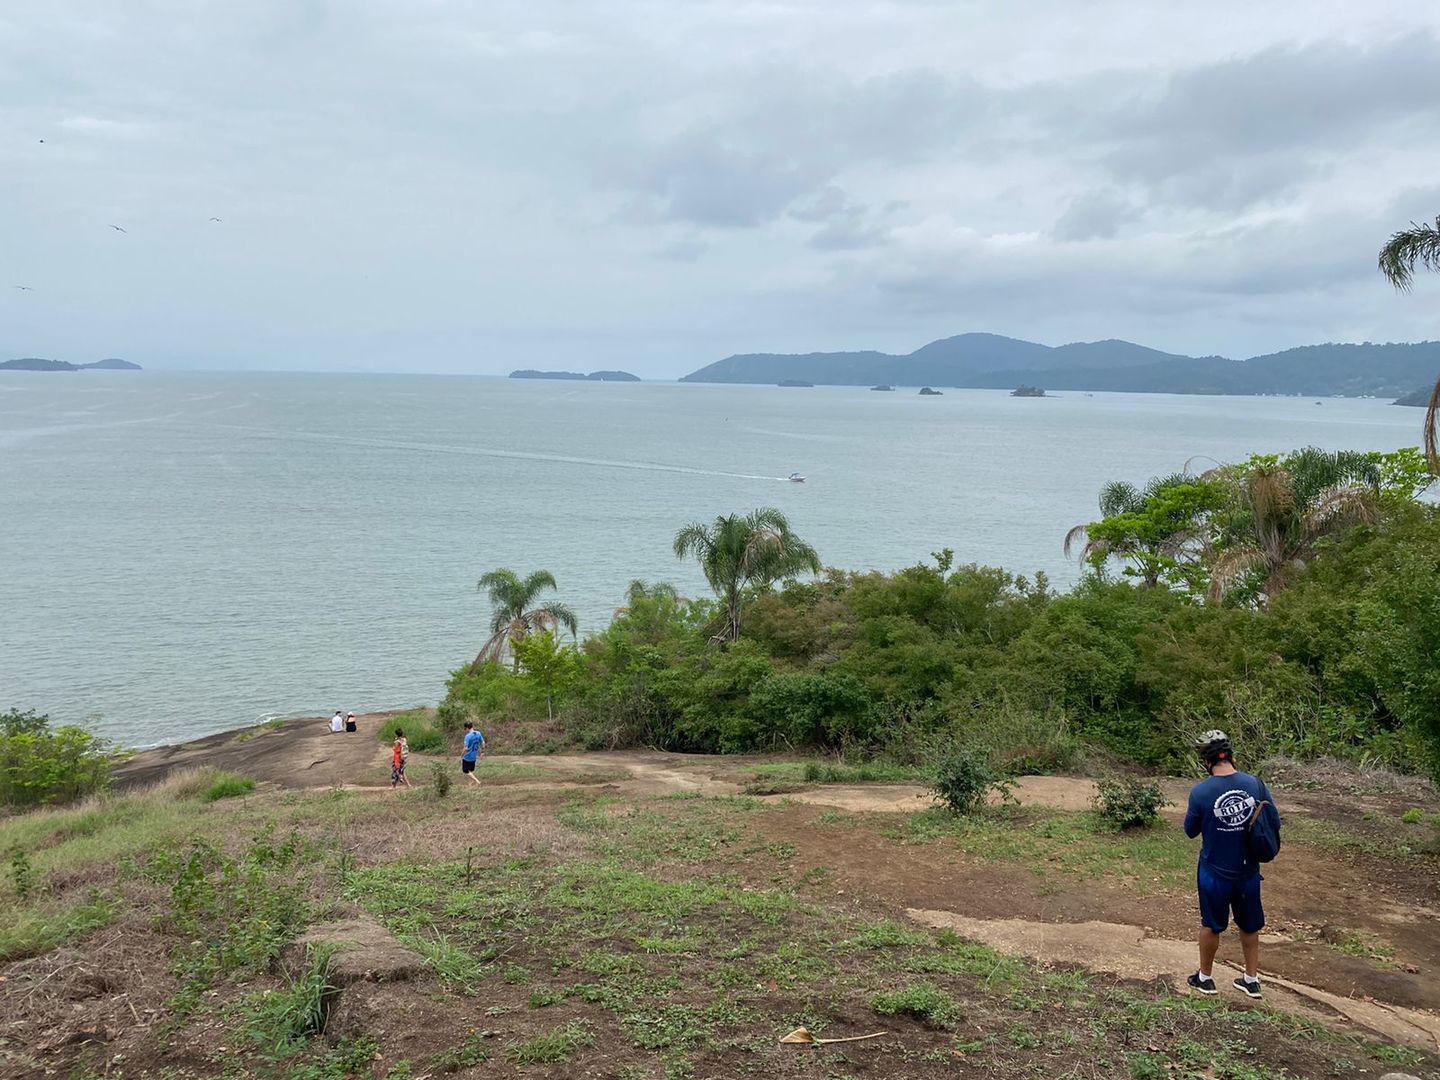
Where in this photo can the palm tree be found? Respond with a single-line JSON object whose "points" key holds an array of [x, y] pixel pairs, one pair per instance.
{"points": [[1417, 245], [1120, 497], [516, 615], [737, 552], [1281, 508]]}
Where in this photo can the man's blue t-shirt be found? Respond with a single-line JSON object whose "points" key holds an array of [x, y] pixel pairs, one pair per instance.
{"points": [[1219, 808], [473, 739]]}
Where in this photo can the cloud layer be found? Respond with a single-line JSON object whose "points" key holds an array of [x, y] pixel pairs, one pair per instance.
{"points": [[455, 187]]}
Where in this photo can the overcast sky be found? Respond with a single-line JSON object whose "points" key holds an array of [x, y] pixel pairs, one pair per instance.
{"points": [[443, 185]]}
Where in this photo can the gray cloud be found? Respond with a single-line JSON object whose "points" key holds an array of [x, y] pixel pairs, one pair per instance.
{"points": [[457, 187]]}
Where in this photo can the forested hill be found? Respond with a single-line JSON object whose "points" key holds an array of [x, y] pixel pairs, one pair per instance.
{"points": [[989, 360]]}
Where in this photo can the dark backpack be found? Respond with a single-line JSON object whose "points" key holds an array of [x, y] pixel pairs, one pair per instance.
{"points": [[1262, 833]]}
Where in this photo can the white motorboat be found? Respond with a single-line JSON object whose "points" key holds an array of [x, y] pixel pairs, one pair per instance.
{"points": [[796, 478]]}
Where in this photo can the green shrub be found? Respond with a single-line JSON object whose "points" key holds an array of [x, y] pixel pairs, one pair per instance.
{"points": [[22, 872], [1127, 804], [962, 781], [922, 1000], [451, 715], [227, 785], [440, 779], [41, 765]]}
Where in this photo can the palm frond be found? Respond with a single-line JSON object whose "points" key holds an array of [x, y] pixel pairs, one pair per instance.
{"points": [[1418, 245], [1230, 566], [1073, 537], [1339, 506], [1119, 497], [557, 614]]}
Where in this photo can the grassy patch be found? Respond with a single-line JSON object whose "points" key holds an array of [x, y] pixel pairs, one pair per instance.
{"points": [[923, 1000], [1051, 841], [228, 785], [420, 731], [282, 1021], [35, 930], [838, 772], [554, 1047]]}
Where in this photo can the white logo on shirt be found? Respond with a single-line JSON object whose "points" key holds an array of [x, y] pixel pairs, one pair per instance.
{"points": [[1233, 808]]}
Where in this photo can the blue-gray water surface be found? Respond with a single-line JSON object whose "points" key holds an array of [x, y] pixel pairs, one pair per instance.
{"points": [[183, 553]]}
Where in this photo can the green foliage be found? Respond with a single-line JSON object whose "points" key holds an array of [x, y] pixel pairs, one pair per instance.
{"points": [[1335, 662], [963, 779], [922, 1000], [22, 872], [37, 928], [1157, 533], [441, 780], [1127, 804], [282, 1021], [40, 765], [469, 1053], [549, 668], [227, 785], [554, 1047], [737, 553], [231, 913], [421, 736], [516, 614]]}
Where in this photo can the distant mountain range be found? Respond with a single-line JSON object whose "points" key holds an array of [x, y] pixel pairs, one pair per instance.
{"points": [[34, 363], [989, 360], [575, 376]]}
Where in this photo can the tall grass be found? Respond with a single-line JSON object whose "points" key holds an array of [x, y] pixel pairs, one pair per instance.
{"points": [[420, 733]]}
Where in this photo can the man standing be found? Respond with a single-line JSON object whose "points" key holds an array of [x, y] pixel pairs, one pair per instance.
{"points": [[1227, 878], [474, 742]]}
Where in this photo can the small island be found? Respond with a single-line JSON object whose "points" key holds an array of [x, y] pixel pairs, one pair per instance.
{"points": [[1419, 398], [882, 388], [1025, 390], [35, 363], [575, 376], [925, 391], [794, 382]]}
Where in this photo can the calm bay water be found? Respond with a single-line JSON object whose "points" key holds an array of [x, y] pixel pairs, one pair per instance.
{"points": [[184, 553]]}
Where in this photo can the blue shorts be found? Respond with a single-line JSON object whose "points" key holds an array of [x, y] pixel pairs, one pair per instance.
{"points": [[1220, 896]]}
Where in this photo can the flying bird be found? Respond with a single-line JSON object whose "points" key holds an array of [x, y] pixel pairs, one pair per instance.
{"points": [[24, 288], [214, 219], [117, 228]]}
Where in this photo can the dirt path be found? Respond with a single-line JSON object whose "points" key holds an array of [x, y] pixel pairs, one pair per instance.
{"points": [[1131, 952], [1100, 922]]}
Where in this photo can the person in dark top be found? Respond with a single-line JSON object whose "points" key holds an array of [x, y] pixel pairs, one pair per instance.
{"points": [[1226, 878]]}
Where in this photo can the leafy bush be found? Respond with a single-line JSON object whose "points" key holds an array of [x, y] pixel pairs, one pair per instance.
{"points": [[227, 785], [962, 781], [42, 765], [451, 716], [440, 779], [1127, 804]]}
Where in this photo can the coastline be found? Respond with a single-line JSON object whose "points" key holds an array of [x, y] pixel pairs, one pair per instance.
{"points": [[298, 752]]}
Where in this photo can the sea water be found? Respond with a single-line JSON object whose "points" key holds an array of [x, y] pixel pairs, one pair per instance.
{"points": [[183, 553]]}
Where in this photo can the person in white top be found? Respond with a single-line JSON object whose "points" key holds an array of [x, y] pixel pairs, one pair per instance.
{"points": [[337, 722]]}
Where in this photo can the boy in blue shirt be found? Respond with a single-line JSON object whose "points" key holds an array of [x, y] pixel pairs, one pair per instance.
{"points": [[474, 744], [1227, 879]]}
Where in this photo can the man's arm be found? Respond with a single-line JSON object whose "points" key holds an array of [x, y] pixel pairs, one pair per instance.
{"points": [[1194, 817]]}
